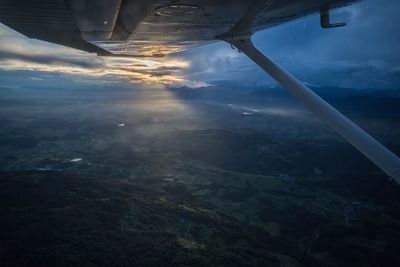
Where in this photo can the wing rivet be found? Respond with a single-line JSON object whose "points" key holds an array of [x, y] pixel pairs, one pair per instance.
{"points": [[179, 10]]}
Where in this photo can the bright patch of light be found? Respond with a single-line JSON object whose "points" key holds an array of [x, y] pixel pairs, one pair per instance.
{"points": [[21, 53]]}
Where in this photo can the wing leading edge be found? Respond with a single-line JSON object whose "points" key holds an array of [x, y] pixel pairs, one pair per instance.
{"points": [[156, 28], [146, 28]]}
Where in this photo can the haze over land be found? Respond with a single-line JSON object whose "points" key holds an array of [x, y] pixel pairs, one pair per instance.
{"points": [[199, 159], [217, 176]]}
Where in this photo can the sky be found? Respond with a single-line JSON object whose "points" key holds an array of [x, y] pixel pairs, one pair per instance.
{"points": [[364, 54]]}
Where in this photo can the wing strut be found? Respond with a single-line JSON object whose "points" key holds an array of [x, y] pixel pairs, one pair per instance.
{"points": [[367, 145]]}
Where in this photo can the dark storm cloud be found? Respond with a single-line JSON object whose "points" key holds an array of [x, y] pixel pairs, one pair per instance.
{"points": [[364, 53], [49, 59]]}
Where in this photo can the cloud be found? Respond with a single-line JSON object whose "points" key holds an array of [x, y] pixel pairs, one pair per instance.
{"points": [[363, 54], [48, 59], [18, 53]]}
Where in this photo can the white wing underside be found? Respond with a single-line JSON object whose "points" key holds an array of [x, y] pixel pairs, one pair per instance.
{"points": [[148, 28]]}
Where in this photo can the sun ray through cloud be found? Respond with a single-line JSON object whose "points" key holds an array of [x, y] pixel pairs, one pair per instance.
{"points": [[21, 53]]}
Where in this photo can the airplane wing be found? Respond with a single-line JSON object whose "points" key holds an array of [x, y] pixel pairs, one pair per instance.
{"points": [[151, 28], [154, 28]]}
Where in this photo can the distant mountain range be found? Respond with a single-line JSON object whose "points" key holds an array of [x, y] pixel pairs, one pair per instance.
{"points": [[370, 102]]}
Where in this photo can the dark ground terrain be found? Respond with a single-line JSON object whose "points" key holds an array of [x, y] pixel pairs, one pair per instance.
{"points": [[193, 177]]}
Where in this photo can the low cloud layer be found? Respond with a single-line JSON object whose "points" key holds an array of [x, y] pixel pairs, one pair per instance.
{"points": [[363, 54], [18, 53]]}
